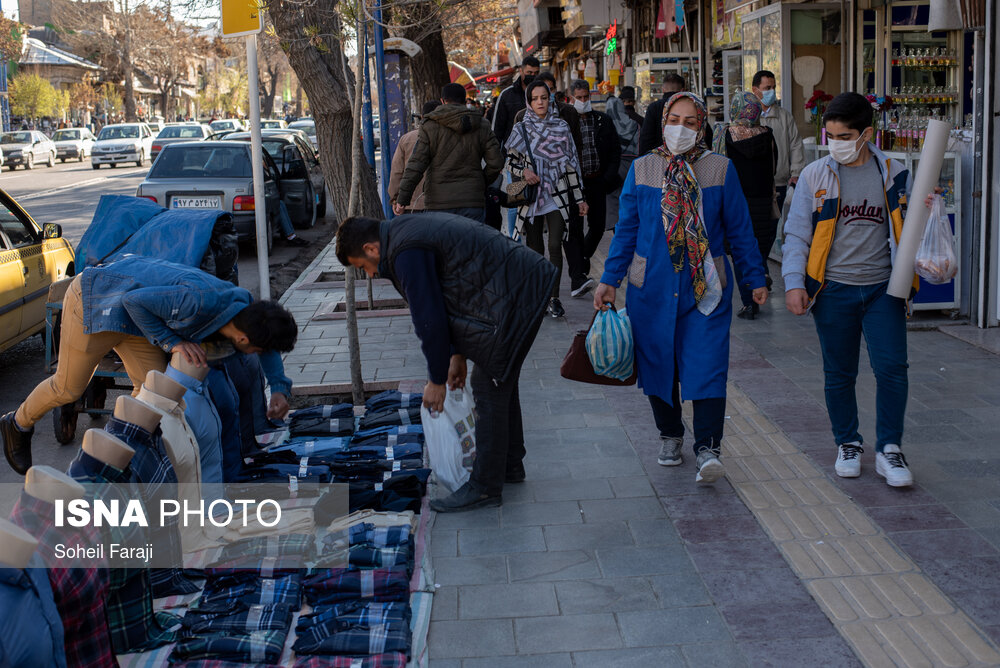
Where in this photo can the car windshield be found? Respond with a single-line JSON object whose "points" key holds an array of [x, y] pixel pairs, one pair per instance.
{"points": [[270, 124], [119, 132], [179, 161], [16, 138], [180, 132], [66, 135], [307, 126], [223, 125]]}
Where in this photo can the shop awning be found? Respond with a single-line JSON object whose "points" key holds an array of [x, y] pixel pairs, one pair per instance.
{"points": [[498, 74], [462, 76]]}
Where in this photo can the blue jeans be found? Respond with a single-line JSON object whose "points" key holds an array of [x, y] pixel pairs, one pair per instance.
{"points": [[285, 221], [842, 314], [477, 214]]}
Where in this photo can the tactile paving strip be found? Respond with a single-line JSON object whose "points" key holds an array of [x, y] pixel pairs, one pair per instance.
{"points": [[890, 612]]}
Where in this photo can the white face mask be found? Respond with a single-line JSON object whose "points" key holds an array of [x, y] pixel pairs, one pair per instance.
{"points": [[679, 139], [582, 107], [845, 151]]}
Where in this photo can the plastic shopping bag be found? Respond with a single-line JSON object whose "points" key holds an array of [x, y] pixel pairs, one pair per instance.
{"points": [[450, 438], [610, 347], [936, 261]]}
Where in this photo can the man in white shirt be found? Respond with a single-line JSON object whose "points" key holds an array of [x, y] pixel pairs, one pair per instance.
{"points": [[791, 158]]}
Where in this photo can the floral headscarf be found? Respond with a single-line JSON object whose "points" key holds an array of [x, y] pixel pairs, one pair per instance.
{"points": [[745, 112], [683, 218]]}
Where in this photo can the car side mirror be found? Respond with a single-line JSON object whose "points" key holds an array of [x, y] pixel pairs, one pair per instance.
{"points": [[52, 231]]}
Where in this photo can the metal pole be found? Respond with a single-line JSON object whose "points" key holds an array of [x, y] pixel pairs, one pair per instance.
{"points": [[366, 97], [257, 163], [383, 110]]}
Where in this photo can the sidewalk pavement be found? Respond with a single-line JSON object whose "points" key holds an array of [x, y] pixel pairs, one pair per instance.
{"points": [[604, 558]]}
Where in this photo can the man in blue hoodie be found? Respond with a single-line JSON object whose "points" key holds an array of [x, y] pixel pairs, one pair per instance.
{"points": [[144, 309]]}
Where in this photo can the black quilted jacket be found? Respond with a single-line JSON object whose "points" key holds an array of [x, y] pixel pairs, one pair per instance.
{"points": [[494, 289]]}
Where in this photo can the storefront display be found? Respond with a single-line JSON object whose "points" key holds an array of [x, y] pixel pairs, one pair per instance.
{"points": [[650, 68]]}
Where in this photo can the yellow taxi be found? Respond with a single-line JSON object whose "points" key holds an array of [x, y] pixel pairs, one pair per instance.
{"points": [[31, 259]]}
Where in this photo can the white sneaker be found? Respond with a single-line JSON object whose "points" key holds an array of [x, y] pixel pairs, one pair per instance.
{"points": [[670, 452], [891, 465], [848, 460], [710, 468]]}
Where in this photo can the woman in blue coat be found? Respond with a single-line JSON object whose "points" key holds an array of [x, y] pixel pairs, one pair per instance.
{"points": [[679, 206]]}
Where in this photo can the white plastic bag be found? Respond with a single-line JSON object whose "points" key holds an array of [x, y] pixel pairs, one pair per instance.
{"points": [[450, 438], [936, 261]]}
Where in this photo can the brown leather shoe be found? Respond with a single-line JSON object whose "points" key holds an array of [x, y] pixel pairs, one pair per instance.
{"points": [[16, 444]]}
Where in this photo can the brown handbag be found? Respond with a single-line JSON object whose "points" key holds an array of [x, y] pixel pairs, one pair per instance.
{"points": [[576, 365]]}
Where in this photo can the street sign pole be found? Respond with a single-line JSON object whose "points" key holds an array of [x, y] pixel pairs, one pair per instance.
{"points": [[241, 18], [383, 109], [257, 158]]}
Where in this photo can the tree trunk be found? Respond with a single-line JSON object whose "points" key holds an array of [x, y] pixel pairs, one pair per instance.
{"points": [[267, 107], [129, 94], [164, 103], [429, 72], [324, 76]]}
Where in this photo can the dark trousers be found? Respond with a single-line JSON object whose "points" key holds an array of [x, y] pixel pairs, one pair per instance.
{"points": [[477, 214], [596, 195], [499, 428], [842, 314], [765, 239], [782, 191], [709, 419], [533, 233]]}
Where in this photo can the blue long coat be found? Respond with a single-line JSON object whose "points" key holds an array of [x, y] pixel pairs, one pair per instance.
{"points": [[660, 301]]}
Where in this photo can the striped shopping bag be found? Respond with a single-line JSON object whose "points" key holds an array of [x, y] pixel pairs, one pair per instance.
{"points": [[610, 346]]}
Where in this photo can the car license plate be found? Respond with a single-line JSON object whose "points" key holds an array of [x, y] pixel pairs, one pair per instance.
{"points": [[195, 203]]}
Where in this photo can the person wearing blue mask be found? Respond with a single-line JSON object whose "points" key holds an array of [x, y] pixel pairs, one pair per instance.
{"points": [[791, 158]]}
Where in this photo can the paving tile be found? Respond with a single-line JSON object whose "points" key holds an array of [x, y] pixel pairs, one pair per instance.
{"points": [[980, 604], [500, 541], [719, 653], [445, 604], [953, 574], [864, 555], [541, 513], [562, 660], [550, 566], [830, 651], [473, 519], [722, 528], [627, 487], [665, 657], [734, 554], [507, 600], [915, 518], [607, 595], [776, 584], [680, 591], [572, 489], [567, 633], [444, 543], [636, 561], [471, 638], [800, 618], [692, 625], [870, 494], [692, 507], [610, 510], [587, 536], [470, 570], [653, 532], [610, 467], [921, 545], [977, 513]]}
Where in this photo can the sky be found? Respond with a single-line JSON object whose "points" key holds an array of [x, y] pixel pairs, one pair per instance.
{"points": [[9, 8]]}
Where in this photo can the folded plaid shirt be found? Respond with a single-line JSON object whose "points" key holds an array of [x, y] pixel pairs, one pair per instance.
{"points": [[394, 399], [134, 625], [80, 593], [356, 613], [365, 532], [253, 591], [218, 663], [337, 638], [389, 660], [237, 617], [388, 417], [256, 647], [287, 551], [337, 585], [368, 556], [151, 467]]}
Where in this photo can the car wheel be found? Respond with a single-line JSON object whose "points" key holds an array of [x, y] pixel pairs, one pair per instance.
{"points": [[95, 165], [82, 155], [52, 160], [112, 165], [29, 161], [141, 160], [62, 160]]}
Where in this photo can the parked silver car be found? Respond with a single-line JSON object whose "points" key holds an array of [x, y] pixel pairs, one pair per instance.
{"points": [[73, 143], [307, 126], [178, 134], [227, 125], [213, 175], [27, 147]]}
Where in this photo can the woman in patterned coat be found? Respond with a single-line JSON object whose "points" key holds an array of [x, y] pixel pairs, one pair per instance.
{"points": [[678, 207]]}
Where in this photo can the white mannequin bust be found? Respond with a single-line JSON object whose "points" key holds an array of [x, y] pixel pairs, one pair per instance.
{"points": [[106, 448], [16, 545], [131, 410]]}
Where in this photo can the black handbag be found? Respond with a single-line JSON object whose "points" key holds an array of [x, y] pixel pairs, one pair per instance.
{"points": [[521, 193]]}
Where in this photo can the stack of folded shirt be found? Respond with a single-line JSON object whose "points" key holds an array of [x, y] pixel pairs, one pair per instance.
{"points": [[249, 588], [388, 435], [336, 420], [234, 616], [313, 446], [390, 660], [283, 472], [394, 399], [341, 585], [256, 647], [392, 408]]}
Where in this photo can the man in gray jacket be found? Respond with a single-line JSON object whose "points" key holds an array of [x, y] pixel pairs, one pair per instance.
{"points": [[791, 158]]}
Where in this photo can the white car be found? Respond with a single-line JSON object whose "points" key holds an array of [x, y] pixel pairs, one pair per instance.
{"points": [[123, 142], [73, 143], [227, 125], [272, 124], [309, 127]]}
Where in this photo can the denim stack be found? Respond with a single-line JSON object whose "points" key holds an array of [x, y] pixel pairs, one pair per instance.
{"points": [[361, 611], [245, 613]]}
